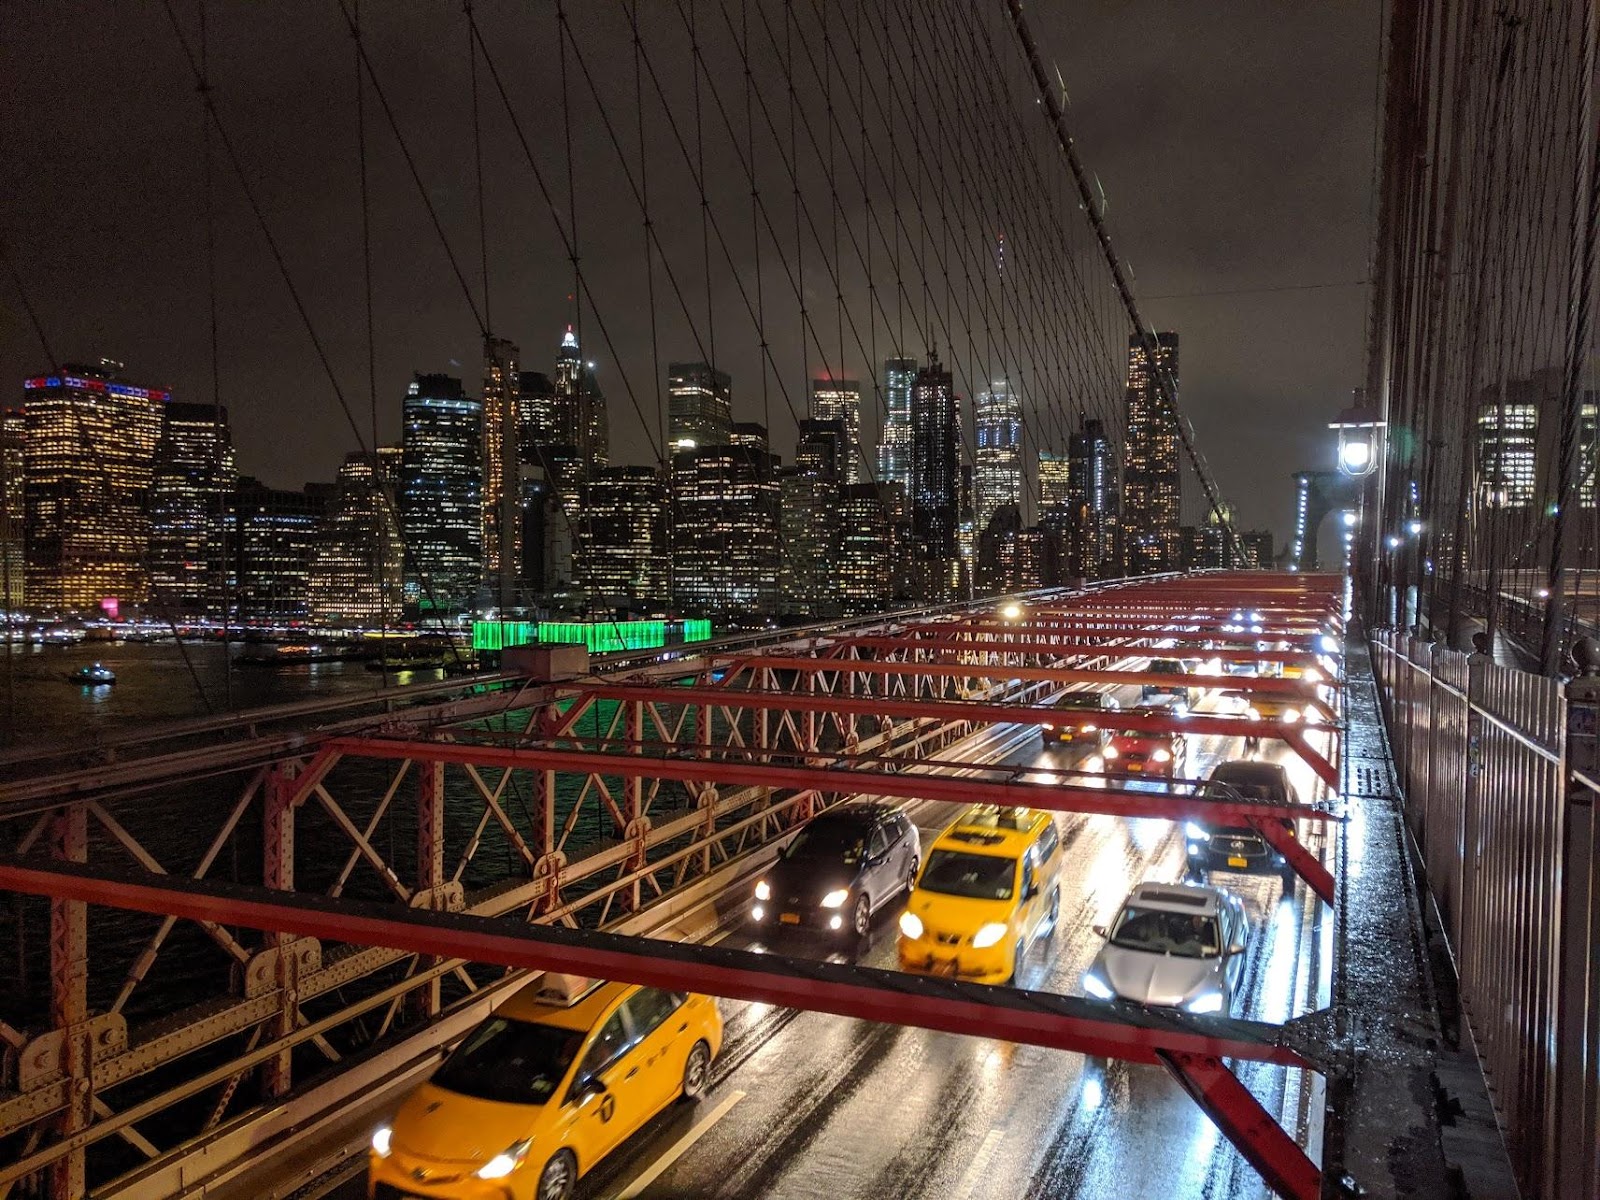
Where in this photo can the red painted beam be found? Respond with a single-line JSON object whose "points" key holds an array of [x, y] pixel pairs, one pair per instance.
{"points": [[1123, 629], [977, 712], [1302, 860], [1254, 684], [1234, 1110], [1041, 1019], [1064, 648], [789, 772]]}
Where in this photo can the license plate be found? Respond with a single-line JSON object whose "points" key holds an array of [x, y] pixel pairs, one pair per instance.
{"points": [[789, 918], [1237, 862], [1135, 767]]}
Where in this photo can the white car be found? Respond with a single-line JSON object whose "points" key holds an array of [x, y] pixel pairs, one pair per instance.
{"points": [[1172, 945]]}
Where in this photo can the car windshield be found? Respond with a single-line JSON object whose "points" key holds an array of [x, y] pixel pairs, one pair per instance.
{"points": [[514, 1062], [834, 842], [1157, 931], [1092, 700], [980, 876]]}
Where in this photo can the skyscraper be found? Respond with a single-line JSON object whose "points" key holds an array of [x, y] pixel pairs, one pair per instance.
{"points": [[894, 449], [12, 592], [355, 572], [502, 530], [89, 441], [699, 406], [935, 464], [629, 561], [1055, 494], [271, 536], [725, 551], [441, 492], [840, 400], [865, 576], [997, 466], [1093, 502], [1150, 480], [810, 520], [580, 408], [193, 474]]}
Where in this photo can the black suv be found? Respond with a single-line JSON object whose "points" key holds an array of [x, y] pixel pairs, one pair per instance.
{"points": [[1077, 721], [1213, 847], [1180, 691], [840, 868]]}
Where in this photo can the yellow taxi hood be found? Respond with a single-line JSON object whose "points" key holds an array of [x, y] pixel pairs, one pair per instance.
{"points": [[958, 914], [450, 1127]]}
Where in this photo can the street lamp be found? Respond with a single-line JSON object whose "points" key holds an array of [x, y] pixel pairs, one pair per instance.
{"points": [[1359, 431]]}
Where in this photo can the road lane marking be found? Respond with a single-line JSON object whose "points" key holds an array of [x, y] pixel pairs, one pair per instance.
{"points": [[679, 1148], [980, 1163]]}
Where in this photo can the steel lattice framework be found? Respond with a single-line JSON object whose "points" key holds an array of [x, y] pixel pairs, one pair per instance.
{"points": [[372, 860]]}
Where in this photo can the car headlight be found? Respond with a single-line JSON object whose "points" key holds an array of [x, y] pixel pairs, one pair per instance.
{"points": [[1209, 1003], [1253, 713], [757, 912], [381, 1137], [1094, 986], [1048, 725], [1312, 675], [1091, 729], [1110, 752], [1291, 715], [911, 925], [835, 898], [988, 935], [763, 892], [1162, 754], [1329, 645], [507, 1161], [1197, 832]]}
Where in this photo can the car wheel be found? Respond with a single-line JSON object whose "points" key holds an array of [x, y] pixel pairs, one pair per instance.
{"points": [[911, 874], [861, 922], [1055, 910], [696, 1070], [1290, 878], [559, 1177]]}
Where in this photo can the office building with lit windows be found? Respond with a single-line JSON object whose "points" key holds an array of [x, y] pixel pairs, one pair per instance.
{"points": [[936, 478], [810, 521], [1092, 499], [355, 577], [1055, 494], [628, 564], [502, 425], [1151, 486], [89, 442], [12, 570], [894, 448], [725, 534], [840, 400], [699, 406], [271, 535], [441, 493], [997, 452], [865, 578], [194, 472], [580, 406]]}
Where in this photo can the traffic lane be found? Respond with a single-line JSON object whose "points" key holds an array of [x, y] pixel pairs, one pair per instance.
{"points": [[849, 1108]]}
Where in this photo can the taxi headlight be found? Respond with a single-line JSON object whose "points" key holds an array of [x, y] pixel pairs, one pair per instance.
{"points": [[1094, 986], [1197, 832], [1291, 715], [1209, 1003], [381, 1137], [988, 935], [1312, 675], [763, 892], [1110, 752], [911, 925], [1162, 754], [835, 898], [507, 1161]]}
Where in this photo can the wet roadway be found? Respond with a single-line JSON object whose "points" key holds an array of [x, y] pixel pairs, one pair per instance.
{"points": [[807, 1105]]}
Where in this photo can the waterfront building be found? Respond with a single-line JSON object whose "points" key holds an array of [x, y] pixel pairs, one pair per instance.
{"points": [[699, 406], [12, 570], [1151, 485], [193, 474], [271, 535], [725, 548], [355, 575], [441, 493], [840, 400], [89, 441]]}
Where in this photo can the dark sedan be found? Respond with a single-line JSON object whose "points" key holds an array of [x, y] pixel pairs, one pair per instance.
{"points": [[840, 868]]}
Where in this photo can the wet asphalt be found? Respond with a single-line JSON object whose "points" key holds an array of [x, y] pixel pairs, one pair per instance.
{"points": [[806, 1105]]}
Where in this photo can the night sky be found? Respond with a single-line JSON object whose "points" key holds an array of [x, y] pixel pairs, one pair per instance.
{"points": [[1233, 142]]}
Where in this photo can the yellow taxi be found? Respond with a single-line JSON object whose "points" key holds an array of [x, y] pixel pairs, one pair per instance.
{"points": [[558, 1077], [988, 890]]}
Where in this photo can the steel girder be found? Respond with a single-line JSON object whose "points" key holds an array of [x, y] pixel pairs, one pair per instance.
{"points": [[1190, 1047], [977, 713], [1067, 647]]}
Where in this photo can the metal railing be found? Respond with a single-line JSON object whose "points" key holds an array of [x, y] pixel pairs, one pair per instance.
{"points": [[1496, 767]]}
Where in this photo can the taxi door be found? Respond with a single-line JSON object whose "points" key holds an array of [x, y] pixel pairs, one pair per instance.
{"points": [[607, 1104], [1033, 907], [661, 1033]]}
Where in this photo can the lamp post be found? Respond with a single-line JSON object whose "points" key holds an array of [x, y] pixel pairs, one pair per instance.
{"points": [[1360, 450]]}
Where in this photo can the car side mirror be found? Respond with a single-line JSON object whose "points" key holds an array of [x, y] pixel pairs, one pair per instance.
{"points": [[1236, 948], [1100, 931], [589, 1085]]}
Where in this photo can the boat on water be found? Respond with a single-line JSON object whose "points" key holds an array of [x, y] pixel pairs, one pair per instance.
{"points": [[299, 654], [94, 674], [406, 662]]}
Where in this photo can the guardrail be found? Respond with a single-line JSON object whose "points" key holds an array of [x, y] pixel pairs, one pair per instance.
{"points": [[1498, 768]]}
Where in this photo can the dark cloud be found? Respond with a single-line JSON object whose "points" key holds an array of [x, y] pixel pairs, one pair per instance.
{"points": [[1233, 142]]}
